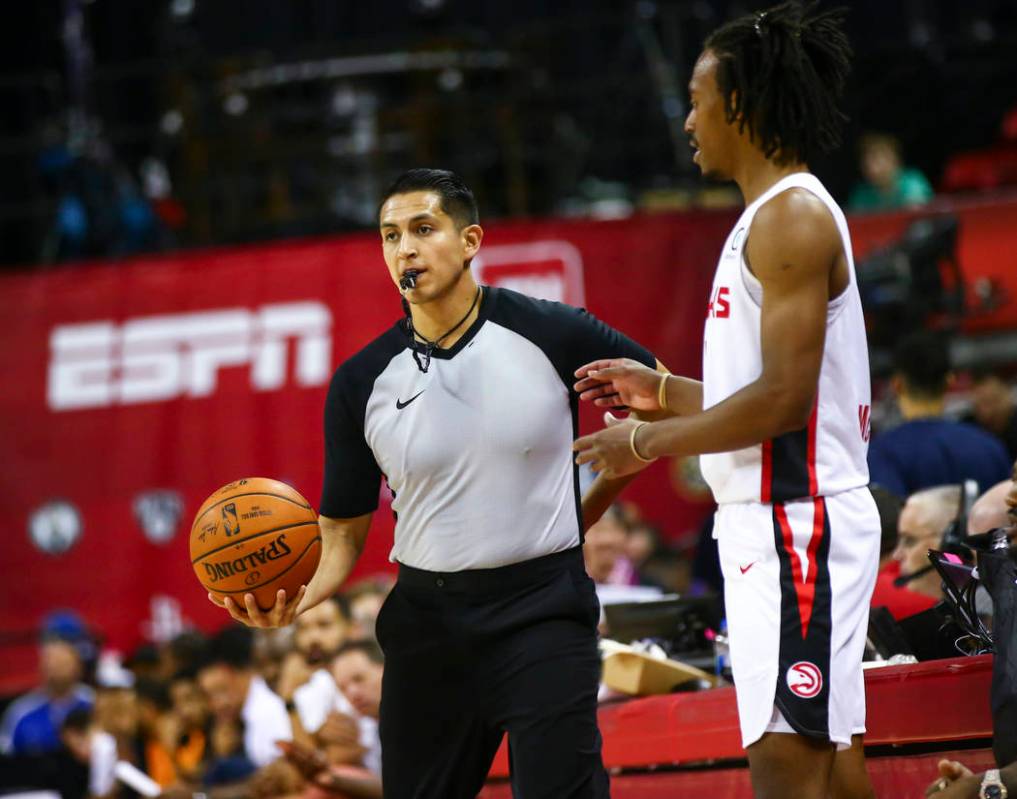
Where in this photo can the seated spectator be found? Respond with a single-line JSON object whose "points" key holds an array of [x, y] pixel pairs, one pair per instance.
{"points": [[304, 681], [31, 725], [990, 512], [316, 704], [641, 544], [183, 654], [990, 509], [244, 709], [228, 762], [91, 747], [154, 742], [146, 662], [358, 667], [271, 646], [900, 601], [604, 550], [924, 518], [888, 183], [928, 450], [186, 726], [365, 599], [606, 563], [70, 771], [994, 408]]}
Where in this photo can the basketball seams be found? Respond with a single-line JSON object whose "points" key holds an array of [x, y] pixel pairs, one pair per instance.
{"points": [[293, 565], [203, 511], [196, 561]]}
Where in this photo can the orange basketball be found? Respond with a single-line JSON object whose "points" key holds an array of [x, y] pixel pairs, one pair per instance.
{"points": [[255, 535]]}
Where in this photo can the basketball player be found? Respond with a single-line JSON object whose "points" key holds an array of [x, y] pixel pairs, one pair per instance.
{"points": [[781, 417], [466, 408]]}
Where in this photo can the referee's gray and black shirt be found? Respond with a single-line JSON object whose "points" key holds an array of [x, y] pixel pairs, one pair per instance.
{"points": [[477, 450]]}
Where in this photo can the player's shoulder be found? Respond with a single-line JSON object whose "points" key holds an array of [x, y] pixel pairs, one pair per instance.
{"points": [[796, 227], [367, 363], [797, 215]]}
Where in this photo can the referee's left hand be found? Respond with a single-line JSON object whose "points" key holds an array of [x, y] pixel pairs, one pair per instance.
{"points": [[608, 451], [280, 615]]}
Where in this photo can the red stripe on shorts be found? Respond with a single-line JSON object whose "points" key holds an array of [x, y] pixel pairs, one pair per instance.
{"points": [[805, 586]]}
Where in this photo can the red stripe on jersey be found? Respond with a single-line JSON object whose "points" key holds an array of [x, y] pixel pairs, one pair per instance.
{"points": [[811, 457], [766, 481], [805, 586]]}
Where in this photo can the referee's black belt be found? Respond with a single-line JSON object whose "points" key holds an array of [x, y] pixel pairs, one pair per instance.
{"points": [[525, 572]]}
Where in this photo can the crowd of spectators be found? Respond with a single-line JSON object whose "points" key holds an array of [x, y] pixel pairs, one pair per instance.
{"points": [[249, 713], [925, 467], [887, 183], [242, 713]]}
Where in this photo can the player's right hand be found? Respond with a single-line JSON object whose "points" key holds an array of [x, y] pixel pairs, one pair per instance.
{"points": [[619, 381], [281, 614]]}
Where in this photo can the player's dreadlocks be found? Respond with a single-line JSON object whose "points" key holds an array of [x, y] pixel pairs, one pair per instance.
{"points": [[782, 74]]}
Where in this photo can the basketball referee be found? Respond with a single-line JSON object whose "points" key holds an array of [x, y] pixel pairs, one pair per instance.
{"points": [[466, 408]]}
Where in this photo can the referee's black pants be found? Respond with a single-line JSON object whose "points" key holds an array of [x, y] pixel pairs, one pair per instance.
{"points": [[471, 655]]}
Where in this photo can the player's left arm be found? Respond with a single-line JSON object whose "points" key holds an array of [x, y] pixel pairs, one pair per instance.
{"points": [[792, 248]]}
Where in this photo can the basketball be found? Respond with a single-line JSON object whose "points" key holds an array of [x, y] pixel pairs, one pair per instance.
{"points": [[255, 535]]}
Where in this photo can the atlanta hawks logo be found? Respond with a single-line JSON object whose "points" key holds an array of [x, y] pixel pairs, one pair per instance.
{"points": [[805, 679]]}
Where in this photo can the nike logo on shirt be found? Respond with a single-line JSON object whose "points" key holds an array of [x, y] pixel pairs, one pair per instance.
{"points": [[400, 405], [746, 568]]}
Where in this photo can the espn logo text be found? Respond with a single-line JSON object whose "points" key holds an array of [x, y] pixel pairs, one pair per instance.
{"points": [[159, 358]]}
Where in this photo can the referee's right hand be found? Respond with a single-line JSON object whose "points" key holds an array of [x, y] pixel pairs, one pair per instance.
{"points": [[281, 614]]}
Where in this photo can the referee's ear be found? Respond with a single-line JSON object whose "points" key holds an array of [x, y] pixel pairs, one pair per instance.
{"points": [[471, 235]]}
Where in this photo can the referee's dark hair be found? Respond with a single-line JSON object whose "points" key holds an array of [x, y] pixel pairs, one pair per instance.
{"points": [[366, 645], [456, 198], [781, 73]]}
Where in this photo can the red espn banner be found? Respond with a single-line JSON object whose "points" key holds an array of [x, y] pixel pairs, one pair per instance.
{"points": [[135, 389]]}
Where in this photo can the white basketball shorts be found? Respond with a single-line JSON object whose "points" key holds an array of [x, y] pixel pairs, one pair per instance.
{"points": [[798, 578]]}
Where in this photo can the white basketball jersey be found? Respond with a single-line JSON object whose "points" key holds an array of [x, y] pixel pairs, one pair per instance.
{"points": [[829, 454]]}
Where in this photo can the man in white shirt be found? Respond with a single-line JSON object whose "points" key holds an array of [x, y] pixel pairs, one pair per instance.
{"points": [[315, 703], [304, 682], [358, 668], [238, 695]]}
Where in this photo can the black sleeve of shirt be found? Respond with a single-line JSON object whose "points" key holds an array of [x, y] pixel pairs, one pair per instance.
{"points": [[352, 477], [592, 340], [569, 336]]}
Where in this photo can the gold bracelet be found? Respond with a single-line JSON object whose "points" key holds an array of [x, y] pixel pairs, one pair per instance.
{"points": [[662, 391], [632, 443]]}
